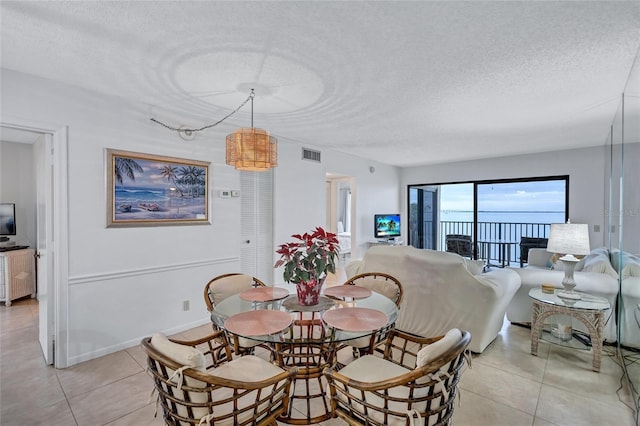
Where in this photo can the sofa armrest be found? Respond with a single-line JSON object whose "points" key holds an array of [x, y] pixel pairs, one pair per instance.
{"points": [[539, 257]]}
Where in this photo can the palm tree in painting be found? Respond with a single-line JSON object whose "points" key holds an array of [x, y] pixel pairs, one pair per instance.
{"points": [[126, 167], [171, 173], [199, 178], [192, 177]]}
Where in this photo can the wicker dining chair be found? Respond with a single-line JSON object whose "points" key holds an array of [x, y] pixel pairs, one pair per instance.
{"points": [[386, 285], [379, 282], [415, 382], [199, 388], [220, 288], [223, 286]]}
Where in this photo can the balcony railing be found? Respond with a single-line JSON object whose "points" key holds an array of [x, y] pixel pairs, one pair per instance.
{"points": [[489, 236]]}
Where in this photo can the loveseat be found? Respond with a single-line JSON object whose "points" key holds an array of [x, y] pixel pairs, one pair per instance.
{"points": [[594, 275], [442, 291], [629, 270]]}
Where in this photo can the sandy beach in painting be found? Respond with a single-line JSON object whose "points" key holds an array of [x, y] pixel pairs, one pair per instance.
{"points": [[171, 208]]}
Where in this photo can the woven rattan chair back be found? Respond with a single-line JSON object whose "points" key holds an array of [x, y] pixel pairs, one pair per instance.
{"points": [[233, 283], [380, 282]]}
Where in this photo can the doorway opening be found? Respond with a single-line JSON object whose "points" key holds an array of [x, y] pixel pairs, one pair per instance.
{"points": [[340, 191], [47, 206]]}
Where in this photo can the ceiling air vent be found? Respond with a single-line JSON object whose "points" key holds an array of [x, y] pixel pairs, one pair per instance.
{"points": [[311, 155]]}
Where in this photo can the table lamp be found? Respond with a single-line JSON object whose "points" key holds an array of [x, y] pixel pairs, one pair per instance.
{"points": [[569, 239]]}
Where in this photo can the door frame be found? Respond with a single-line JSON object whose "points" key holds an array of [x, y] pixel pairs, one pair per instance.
{"points": [[57, 300]]}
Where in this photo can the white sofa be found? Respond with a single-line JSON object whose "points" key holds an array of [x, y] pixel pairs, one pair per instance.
{"points": [[630, 297], [443, 291], [598, 278]]}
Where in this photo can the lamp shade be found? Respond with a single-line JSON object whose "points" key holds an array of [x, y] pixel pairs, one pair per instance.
{"points": [[251, 149], [569, 238]]}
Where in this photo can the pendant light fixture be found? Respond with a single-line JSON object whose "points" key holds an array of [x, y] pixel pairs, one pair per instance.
{"points": [[252, 149], [247, 149]]}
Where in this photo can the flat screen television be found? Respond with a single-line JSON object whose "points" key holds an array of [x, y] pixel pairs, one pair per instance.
{"points": [[386, 225], [7, 219]]}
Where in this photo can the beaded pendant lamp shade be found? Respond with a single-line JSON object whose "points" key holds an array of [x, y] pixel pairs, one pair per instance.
{"points": [[247, 149], [251, 149]]}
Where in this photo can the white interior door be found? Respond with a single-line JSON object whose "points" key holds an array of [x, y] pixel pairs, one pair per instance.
{"points": [[256, 211], [43, 169]]}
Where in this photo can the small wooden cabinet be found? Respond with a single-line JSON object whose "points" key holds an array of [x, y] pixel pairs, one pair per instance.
{"points": [[17, 275]]}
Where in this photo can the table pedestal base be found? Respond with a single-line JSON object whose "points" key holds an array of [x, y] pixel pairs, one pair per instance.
{"points": [[592, 319], [307, 350]]}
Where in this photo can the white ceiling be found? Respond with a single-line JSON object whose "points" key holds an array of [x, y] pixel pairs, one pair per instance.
{"points": [[403, 83]]}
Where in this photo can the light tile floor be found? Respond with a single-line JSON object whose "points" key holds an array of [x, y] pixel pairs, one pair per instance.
{"points": [[505, 386]]}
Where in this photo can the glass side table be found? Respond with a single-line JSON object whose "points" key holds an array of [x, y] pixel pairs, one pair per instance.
{"points": [[589, 310]]}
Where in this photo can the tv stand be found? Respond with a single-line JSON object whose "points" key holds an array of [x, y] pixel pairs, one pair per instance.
{"points": [[385, 242]]}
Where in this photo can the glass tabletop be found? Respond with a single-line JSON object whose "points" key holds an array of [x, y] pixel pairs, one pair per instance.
{"points": [[236, 304], [586, 302]]}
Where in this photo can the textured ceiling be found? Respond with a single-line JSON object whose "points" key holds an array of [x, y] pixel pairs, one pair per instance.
{"points": [[404, 83]]}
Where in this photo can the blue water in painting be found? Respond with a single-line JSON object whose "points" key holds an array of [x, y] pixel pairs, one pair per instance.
{"points": [[129, 194]]}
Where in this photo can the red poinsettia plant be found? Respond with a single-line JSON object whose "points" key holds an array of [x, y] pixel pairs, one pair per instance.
{"points": [[310, 257]]}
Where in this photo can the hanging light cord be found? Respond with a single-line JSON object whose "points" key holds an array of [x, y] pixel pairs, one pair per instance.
{"points": [[188, 132]]}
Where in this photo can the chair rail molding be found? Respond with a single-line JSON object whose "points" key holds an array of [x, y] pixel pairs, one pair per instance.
{"points": [[84, 279]]}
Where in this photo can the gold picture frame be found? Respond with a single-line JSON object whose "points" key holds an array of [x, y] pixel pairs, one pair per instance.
{"points": [[155, 190]]}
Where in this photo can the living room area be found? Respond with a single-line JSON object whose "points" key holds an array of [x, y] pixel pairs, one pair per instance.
{"points": [[367, 100]]}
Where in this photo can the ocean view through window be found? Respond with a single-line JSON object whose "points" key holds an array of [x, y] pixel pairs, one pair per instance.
{"points": [[496, 215]]}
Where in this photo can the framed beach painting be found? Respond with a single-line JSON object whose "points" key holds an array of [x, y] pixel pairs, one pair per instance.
{"points": [[153, 190]]}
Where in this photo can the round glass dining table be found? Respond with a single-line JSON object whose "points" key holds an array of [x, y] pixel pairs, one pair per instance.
{"points": [[307, 337]]}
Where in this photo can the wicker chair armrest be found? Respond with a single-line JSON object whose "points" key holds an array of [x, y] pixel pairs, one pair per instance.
{"points": [[401, 334], [216, 335], [212, 379], [331, 374]]}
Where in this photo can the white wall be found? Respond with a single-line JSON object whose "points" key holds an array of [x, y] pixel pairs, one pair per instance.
{"points": [[127, 283], [585, 168]]}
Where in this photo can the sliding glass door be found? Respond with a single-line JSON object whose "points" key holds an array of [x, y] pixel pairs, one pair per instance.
{"points": [[423, 217], [496, 216]]}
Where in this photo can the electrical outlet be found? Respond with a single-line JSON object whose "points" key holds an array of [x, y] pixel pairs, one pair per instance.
{"points": [[185, 305]]}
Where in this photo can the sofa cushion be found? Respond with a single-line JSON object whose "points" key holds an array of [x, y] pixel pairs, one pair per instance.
{"points": [[597, 261], [555, 263], [475, 267], [630, 263], [539, 257], [631, 269]]}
